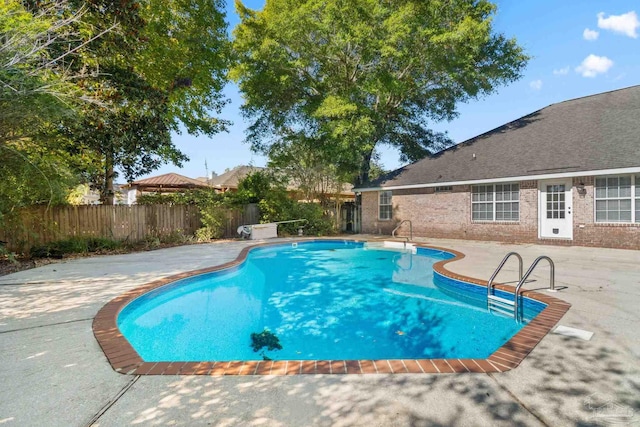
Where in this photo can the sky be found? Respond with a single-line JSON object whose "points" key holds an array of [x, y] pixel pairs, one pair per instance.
{"points": [[577, 48]]}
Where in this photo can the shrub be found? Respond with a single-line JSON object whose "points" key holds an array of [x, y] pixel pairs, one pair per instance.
{"points": [[4, 253], [74, 245], [279, 207], [174, 238], [200, 196], [213, 220]]}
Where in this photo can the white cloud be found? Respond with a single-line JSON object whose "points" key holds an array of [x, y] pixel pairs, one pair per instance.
{"points": [[562, 71], [588, 34], [626, 23], [536, 85], [594, 65]]}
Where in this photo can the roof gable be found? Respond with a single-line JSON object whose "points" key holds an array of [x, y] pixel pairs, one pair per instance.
{"points": [[597, 132], [169, 180], [230, 179]]}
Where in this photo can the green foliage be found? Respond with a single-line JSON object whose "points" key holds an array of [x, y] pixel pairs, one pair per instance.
{"points": [[33, 88], [313, 172], [187, 52], [213, 220], [257, 186], [74, 245], [36, 90], [32, 174], [129, 131], [156, 240], [351, 76], [10, 256], [112, 79], [85, 245], [160, 199], [201, 196], [213, 208], [264, 339], [263, 187], [280, 207], [275, 204]]}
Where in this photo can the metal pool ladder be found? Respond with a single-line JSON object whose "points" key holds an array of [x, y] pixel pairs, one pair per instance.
{"points": [[507, 306], [410, 238]]}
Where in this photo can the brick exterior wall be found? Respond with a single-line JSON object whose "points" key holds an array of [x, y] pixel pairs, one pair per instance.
{"points": [[586, 232], [448, 215]]}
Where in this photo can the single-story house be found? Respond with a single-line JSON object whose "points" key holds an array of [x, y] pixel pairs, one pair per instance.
{"points": [[567, 174], [229, 180], [163, 184]]}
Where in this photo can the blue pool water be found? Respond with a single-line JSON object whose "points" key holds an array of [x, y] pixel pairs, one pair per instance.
{"points": [[325, 301]]}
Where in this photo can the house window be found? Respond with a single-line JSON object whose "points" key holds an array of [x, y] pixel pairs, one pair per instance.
{"points": [[637, 200], [617, 199], [444, 189], [499, 202], [482, 203], [385, 211]]}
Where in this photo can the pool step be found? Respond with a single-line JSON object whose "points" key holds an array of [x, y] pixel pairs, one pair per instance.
{"points": [[501, 305], [502, 301], [392, 245]]}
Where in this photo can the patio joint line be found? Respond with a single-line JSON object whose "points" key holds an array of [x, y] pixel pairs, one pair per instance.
{"points": [[25, 283], [518, 401], [45, 326], [113, 401]]}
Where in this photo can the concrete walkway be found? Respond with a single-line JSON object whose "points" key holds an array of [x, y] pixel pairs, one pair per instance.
{"points": [[53, 373]]}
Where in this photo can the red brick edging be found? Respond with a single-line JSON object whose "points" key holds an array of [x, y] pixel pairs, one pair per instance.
{"points": [[124, 359]]}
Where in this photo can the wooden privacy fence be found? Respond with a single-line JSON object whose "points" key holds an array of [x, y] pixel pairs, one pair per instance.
{"points": [[249, 214], [39, 225]]}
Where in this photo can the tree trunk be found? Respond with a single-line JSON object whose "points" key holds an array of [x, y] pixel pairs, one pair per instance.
{"points": [[107, 195], [365, 167]]}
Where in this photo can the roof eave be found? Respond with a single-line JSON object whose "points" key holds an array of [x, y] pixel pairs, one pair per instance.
{"points": [[505, 179]]}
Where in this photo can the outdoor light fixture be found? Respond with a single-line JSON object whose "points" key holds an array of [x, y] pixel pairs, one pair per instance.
{"points": [[581, 190]]}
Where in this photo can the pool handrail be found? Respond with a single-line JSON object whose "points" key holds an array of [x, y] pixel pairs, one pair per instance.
{"points": [[502, 263], [410, 238], [552, 286]]}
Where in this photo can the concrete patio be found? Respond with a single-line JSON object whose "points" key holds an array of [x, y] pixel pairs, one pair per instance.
{"points": [[53, 372]]}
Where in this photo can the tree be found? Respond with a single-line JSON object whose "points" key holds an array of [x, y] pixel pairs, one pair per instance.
{"points": [[131, 132], [37, 89], [310, 170], [164, 68], [185, 51], [352, 75], [35, 85]]}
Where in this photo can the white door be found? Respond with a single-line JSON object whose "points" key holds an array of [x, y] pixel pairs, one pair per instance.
{"points": [[556, 220]]}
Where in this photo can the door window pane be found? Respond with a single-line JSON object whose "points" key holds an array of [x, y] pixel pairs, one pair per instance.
{"points": [[555, 201]]}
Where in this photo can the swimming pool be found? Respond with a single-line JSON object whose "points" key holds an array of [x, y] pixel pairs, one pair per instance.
{"points": [[323, 300]]}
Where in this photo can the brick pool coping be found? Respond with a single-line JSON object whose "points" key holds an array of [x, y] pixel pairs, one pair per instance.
{"points": [[124, 359]]}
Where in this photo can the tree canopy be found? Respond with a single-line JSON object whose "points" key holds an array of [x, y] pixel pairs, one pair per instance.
{"points": [[352, 75], [106, 82]]}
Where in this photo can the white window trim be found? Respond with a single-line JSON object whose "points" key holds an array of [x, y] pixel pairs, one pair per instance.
{"points": [[634, 182], [390, 204], [494, 201]]}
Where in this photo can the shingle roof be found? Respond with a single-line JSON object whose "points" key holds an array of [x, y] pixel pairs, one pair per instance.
{"points": [[169, 180], [231, 178], [595, 132]]}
